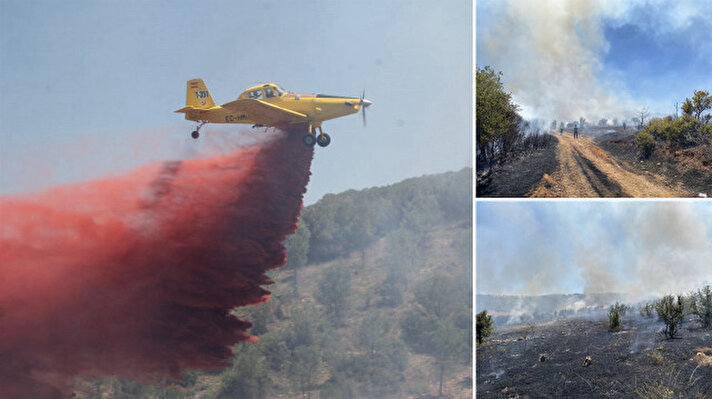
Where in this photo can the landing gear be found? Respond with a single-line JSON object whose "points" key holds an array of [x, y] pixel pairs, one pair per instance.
{"points": [[323, 140], [309, 140], [195, 133], [312, 138]]}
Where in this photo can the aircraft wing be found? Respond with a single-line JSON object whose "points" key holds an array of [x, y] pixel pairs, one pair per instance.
{"points": [[269, 113]]}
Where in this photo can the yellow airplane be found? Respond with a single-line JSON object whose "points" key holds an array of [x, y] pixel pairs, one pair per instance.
{"points": [[268, 105]]}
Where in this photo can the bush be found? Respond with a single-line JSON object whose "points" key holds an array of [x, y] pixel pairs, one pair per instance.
{"points": [[671, 311], [701, 305], [614, 316], [484, 326], [417, 329], [707, 130], [675, 132], [645, 143], [334, 292], [647, 310]]}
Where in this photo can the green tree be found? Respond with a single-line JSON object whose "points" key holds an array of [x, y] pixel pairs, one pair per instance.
{"points": [[305, 368], [307, 327], [615, 313], [449, 348], [437, 295], [297, 246], [334, 291], [420, 214], [261, 316], [249, 376], [391, 289], [433, 326], [671, 310], [645, 143], [496, 114], [701, 305], [404, 253], [358, 375], [360, 231], [483, 326], [701, 101], [275, 350], [647, 310], [372, 332], [418, 329]]}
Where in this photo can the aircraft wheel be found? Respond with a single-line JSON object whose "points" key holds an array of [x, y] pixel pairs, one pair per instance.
{"points": [[309, 140], [323, 140], [195, 134]]}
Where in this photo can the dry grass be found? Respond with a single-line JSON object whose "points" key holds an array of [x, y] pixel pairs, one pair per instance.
{"points": [[655, 357], [703, 357]]}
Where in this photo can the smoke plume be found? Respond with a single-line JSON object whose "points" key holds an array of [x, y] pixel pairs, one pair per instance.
{"points": [[550, 54], [636, 249], [136, 275]]}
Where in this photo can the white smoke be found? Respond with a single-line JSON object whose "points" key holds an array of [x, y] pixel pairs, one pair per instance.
{"points": [[676, 252], [639, 249], [550, 51]]}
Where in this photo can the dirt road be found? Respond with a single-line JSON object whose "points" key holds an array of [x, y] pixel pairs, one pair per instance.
{"points": [[585, 170]]}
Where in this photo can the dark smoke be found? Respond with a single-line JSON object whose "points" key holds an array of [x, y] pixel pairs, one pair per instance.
{"points": [[136, 275]]}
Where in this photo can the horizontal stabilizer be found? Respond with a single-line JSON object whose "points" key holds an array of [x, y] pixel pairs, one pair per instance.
{"points": [[187, 108]]}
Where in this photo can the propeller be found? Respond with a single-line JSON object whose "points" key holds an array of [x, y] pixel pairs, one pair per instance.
{"points": [[363, 103]]}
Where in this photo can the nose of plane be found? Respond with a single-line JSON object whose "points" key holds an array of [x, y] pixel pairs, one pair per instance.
{"points": [[366, 103]]}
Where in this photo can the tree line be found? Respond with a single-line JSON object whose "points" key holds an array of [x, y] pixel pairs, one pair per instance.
{"points": [[350, 221]]}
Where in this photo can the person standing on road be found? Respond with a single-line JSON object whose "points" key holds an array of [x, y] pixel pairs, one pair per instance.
{"points": [[575, 132]]}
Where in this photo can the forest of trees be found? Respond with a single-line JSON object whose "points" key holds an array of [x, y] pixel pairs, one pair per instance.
{"points": [[352, 220], [375, 279]]}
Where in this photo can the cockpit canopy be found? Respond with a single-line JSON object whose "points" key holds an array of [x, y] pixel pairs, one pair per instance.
{"points": [[262, 92]]}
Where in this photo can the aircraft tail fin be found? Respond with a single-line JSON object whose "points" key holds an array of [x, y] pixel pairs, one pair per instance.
{"points": [[197, 95]]}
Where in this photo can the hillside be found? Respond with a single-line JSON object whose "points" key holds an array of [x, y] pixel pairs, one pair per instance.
{"points": [[514, 309], [374, 302]]}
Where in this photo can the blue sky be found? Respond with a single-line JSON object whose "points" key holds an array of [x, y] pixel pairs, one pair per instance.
{"points": [[90, 87], [634, 247], [600, 58]]}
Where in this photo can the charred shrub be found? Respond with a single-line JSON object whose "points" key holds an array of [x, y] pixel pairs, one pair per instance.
{"points": [[484, 326], [701, 306], [671, 310], [615, 313]]}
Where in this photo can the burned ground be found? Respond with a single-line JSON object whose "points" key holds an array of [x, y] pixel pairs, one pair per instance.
{"points": [[516, 177], [634, 362], [600, 163], [691, 167]]}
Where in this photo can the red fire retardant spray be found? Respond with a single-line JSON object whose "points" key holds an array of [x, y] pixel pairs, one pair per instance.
{"points": [[136, 275]]}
